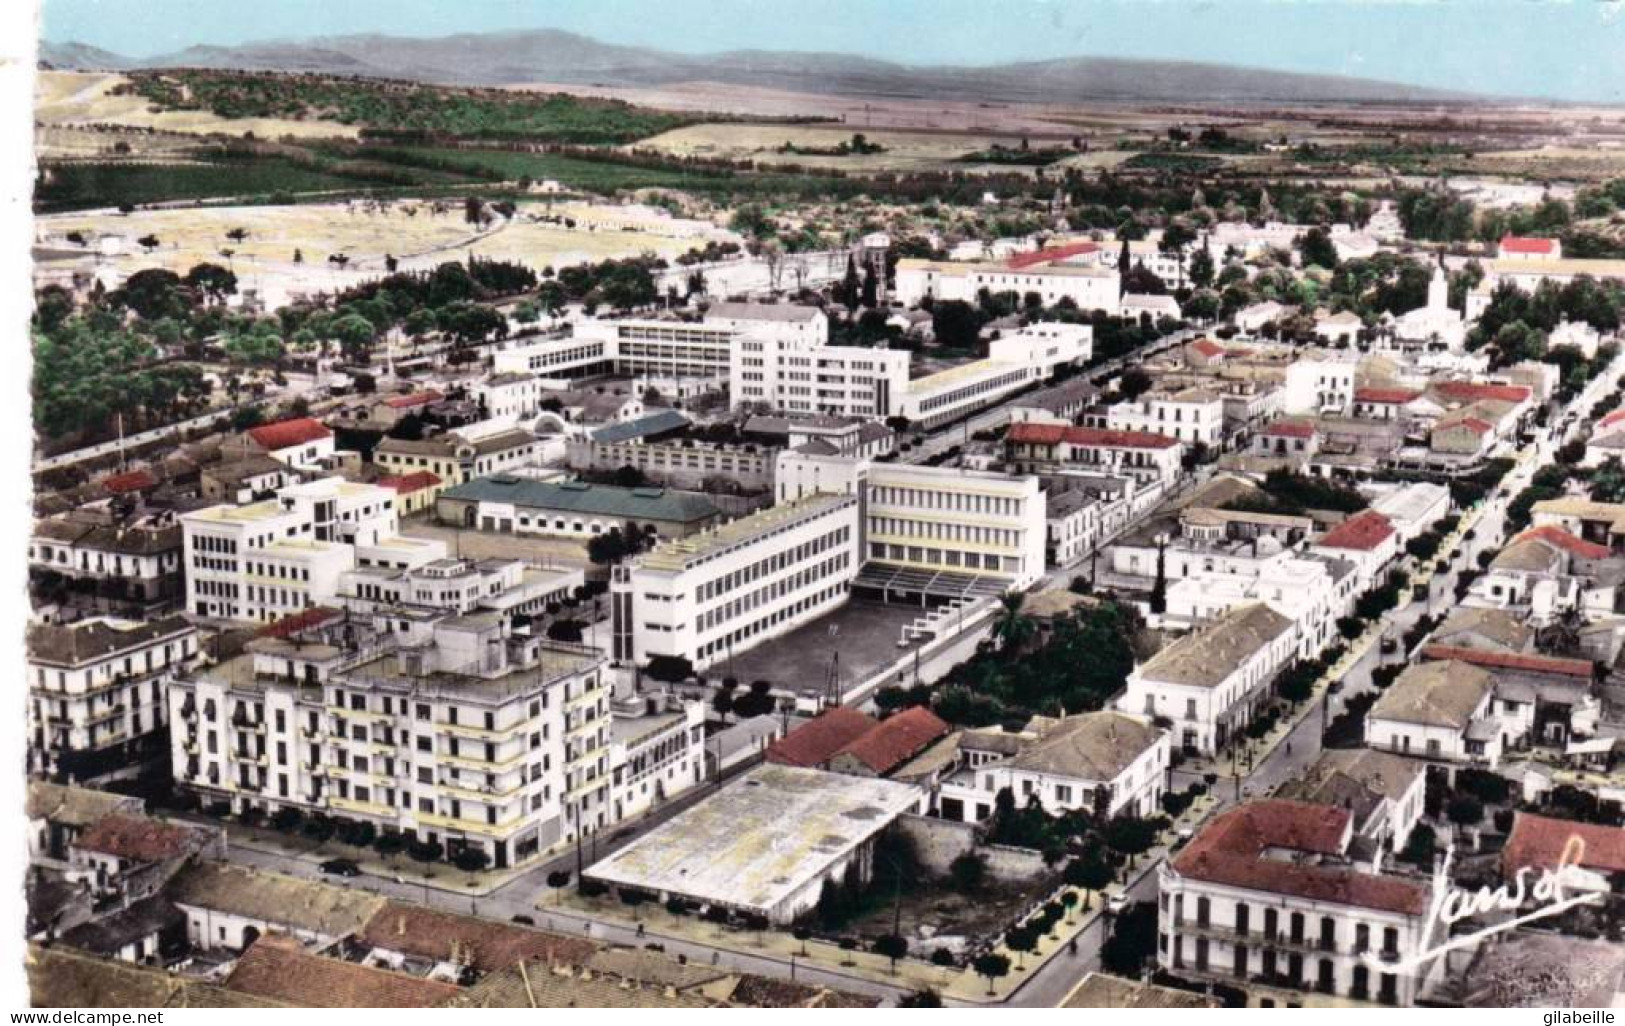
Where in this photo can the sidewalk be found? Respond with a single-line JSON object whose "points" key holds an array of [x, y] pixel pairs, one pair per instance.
{"points": [[439, 876]]}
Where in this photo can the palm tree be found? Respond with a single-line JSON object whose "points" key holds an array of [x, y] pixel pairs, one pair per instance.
{"points": [[1012, 628]]}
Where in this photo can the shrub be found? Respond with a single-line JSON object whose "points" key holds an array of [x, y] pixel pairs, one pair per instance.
{"points": [[471, 860]]}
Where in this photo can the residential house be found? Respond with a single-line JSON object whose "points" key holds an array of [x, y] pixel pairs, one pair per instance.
{"points": [[1367, 539], [1440, 710], [1105, 763], [1211, 683]]}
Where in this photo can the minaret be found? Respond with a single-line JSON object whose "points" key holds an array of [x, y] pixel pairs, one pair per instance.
{"points": [[1439, 290]]}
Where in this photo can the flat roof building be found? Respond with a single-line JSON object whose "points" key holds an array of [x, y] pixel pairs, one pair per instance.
{"points": [[724, 591], [765, 844]]}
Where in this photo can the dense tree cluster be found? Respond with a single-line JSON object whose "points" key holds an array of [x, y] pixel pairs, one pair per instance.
{"points": [[409, 109]]}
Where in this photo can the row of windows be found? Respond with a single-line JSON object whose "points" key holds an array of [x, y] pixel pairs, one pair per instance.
{"points": [[941, 531], [713, 618], [940, 557], [944, 501], [770, 621], [972, 391], [774, 563]]}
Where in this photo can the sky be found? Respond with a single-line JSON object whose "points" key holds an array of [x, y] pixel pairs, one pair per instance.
{"points": [[1556, 49]]}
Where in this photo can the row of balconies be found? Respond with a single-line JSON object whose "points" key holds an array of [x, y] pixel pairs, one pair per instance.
{"points": [[1281, 938]]}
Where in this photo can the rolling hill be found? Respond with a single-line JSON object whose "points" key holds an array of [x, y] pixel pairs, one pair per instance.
{"points": [[548, 55]]}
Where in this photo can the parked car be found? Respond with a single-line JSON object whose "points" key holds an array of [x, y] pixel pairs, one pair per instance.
{"points": [[524, 920], [1389, 646], [341, 867], [1117, 903]]}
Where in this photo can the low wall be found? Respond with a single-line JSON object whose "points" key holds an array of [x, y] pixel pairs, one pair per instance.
{"points": [[937, 842]]}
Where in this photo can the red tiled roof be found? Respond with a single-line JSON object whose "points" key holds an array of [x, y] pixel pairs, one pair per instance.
{"points": [[1289, 429], [1510, 660], [1538, 841], [1050, 256], [406, 402], [1030, 432], [410, 482], [1231, 851], [894, 740], [293, 623], [486, 945], [814, 743], [1553, 535], [1207, 347], [137, 838], [1525, 244], [1034, 433], [276, 967], [1363, 531], [1473, 424], [285, 434], [1472, 391], [131, 481], [1398, 396]]}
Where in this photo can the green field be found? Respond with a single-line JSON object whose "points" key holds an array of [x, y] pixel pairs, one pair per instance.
{"points": [[79, 186]]}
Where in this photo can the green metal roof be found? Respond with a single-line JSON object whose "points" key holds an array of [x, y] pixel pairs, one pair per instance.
{"points": [[591, 499]]}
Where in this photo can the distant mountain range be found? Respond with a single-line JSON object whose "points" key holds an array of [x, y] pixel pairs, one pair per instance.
{"points": [[547, 55]]}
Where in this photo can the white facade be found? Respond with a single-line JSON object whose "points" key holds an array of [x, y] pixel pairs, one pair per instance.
{"points": [[939, 519], [1210, 683], [840, 380], [1014, 361], [480, 738], [268, 559], [1319, 386], [725, 591], [96, 687], [1282, 936], [511, 396], [1091, 287], [1193, 416], [654, 756], [1062, 784]]}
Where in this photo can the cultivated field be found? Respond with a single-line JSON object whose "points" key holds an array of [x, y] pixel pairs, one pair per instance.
{"points": [[363, 232], [904, 150], [71, 100]]}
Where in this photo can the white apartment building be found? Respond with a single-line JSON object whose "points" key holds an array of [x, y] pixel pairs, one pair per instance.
{"points": [[1312, 593], [792, 376], [657, 751], [681, 463], [1209, 541], [460, 586], [135, 564], [96, 704], [511, 395], [1193, 416], [268, 559], [729, 589], [1089, 285], [945, 530], [1105, 763], [1268, 898], [1212, 682], [795, 324], [1145, 457], [478, 738], [1323, 385]]}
